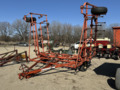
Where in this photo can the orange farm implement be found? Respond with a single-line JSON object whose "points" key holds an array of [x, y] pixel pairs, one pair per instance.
{"points": [[51, 60]]}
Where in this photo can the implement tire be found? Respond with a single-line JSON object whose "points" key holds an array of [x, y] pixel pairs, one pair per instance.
{"points": [[117, 79], [99, 10], [82, 68]]}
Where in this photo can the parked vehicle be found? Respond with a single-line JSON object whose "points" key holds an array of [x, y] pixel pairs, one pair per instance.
{"points": [[23, 44], [100, 42], [76, 45], [45, 43]]}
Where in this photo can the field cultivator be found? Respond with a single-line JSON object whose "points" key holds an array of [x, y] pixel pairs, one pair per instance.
{"points": [[13, 56], [51, 60]]}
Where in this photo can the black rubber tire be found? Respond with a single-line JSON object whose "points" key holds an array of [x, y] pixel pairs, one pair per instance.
{"points": [[72, 49], [82, 68], [28, 19], [100, 55], [107, 56], [116, 57], [99, 10], [117, 79]]}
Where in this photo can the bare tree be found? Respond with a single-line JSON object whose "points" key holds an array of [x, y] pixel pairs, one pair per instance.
{"points": [[68, 33], [5, 31], [64, 33], [77, 33], [55, 31], [21, 28]]}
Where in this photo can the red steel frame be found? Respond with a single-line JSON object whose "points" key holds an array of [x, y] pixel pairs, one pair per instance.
{"points": [[11, 56], [54, 60]]}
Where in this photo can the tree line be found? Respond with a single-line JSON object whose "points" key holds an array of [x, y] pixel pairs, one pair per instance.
{"points": [[59, 32], [67, 33], [17, 31]]}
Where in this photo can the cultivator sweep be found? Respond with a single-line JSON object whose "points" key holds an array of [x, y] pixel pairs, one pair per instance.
{"points": [[12, 56], [50, 60]]}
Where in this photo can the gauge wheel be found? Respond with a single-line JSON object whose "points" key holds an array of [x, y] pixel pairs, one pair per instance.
{"points": [[117, 79], [82, 68]]}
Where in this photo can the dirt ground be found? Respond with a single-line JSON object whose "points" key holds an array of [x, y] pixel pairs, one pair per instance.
{"points": [[99, 76]]}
